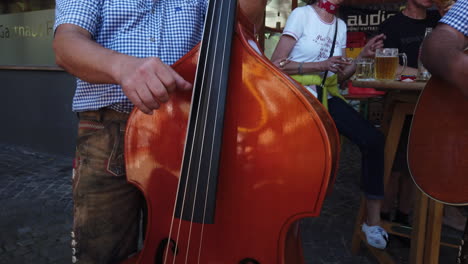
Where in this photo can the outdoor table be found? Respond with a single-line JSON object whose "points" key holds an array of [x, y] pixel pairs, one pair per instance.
{"points": [[400, 101], [390, 85]]}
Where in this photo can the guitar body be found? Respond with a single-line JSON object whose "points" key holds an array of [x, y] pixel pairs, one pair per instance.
{"points": [[438, 143], [279, 155]]}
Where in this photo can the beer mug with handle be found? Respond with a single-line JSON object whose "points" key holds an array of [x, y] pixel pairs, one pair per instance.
{"points": [[386, 63]]}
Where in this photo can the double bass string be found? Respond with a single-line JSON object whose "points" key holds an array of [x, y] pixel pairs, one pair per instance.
{"points": [[191, 154], [214, 127], [189, 165]]}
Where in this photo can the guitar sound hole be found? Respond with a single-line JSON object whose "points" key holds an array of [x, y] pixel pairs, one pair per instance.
{"points": [[159, 258]]}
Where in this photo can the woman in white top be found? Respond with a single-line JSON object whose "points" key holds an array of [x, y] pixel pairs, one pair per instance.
{"points": [[304, 52]]}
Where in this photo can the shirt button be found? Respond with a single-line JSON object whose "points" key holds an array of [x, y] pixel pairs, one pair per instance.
{"points": [[152, 39], [152, 10]]}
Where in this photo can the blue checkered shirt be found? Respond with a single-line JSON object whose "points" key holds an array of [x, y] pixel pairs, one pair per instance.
{"points": [[167, 29], [457, 17]]}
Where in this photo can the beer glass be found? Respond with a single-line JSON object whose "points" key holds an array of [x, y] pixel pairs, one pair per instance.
{"points": [[386, 63], [364, 69]]}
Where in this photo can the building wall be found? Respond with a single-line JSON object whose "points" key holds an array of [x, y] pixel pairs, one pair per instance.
{"points": [[36, 110]]}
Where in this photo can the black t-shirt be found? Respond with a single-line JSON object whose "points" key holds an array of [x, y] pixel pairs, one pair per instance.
{"points": [[406, 33]]}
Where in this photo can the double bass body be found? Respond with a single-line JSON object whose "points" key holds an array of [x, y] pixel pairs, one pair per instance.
{"points": [[278, 157]]}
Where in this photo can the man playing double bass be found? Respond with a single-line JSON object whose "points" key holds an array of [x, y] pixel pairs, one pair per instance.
{"points": [[120, 51]]}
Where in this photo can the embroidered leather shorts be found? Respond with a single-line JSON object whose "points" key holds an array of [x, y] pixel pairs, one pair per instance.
{"points": [[107, 208]]}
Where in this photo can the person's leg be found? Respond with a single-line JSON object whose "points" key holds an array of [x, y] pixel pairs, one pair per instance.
{"points": [[391, 194], [106, 207], [371, 143], [373, 209]]}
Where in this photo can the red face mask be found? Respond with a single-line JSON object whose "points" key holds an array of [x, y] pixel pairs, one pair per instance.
{"points": [[329, 7]]}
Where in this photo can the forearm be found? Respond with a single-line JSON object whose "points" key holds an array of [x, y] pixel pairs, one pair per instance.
{"points": [[85, 59], [347, 72], [293, 67], [442, 55]]}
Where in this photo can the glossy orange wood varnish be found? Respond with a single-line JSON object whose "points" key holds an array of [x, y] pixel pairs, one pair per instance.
{"points": [[438, 143], [279, 155]]}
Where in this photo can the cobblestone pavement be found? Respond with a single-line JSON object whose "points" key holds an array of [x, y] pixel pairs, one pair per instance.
{"points": [[36, 209]]}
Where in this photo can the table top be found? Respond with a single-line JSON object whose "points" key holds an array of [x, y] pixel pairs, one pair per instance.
{"points": [[390, 85]]}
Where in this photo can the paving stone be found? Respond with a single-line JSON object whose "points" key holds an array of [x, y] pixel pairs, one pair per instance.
{"points": [[6, 259], [24, 230], [20, 251], [25, 243], [58, 253], [9, 247], [64, 239]]}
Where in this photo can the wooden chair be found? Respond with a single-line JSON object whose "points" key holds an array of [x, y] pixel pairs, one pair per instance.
{"points": [[425, 234]]}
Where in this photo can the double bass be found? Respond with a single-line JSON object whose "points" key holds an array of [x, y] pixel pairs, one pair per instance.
{"points": [[228, 169]]}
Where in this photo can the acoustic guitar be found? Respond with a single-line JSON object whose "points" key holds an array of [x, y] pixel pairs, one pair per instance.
{"points": [[438, 143]]}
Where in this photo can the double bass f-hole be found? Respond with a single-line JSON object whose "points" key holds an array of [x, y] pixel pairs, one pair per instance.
{"points": [[159, 259], [249, 261]]}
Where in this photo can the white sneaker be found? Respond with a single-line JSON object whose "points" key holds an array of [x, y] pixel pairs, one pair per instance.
{"points": [[376, 236]]}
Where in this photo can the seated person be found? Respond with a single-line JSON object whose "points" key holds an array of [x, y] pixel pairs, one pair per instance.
{"points": [[304, 52], [405, 31]]}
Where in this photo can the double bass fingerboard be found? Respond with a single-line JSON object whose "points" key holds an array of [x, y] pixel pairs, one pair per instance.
{"points": [[196, 198]]}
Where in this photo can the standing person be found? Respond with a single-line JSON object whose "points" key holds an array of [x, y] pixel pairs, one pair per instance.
{"points": [[304, 52], [443, 55], [120, 51]]}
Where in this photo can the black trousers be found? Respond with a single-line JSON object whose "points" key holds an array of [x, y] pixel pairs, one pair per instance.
{"points": [[370, 141]]}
